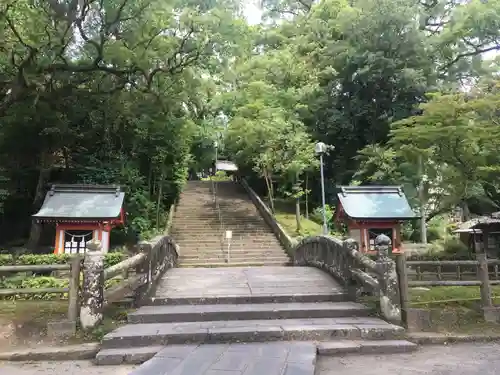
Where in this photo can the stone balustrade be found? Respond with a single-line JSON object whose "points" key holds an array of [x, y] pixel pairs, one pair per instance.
{"points": [[356, 271]]}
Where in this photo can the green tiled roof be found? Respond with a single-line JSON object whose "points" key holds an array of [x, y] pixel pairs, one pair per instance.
{"points": [[375, 202], [82, 202]]}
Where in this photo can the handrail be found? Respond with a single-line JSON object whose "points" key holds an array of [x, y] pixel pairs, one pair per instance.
{"points": [[353, 269], [219, 213]]}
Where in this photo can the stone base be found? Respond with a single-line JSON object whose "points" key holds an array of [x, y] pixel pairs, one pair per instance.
{"points": [[430, 319], [491, 314], [62, 328]]}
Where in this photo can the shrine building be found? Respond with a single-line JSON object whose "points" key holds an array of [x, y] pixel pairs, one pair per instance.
{"points": [[82, 213], [369, 211]]}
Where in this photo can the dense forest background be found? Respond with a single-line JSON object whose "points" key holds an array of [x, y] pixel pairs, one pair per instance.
{"points": [[135, 92]]}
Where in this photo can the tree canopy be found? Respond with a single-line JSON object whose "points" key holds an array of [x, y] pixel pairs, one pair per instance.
{"points": [[136, 93]]}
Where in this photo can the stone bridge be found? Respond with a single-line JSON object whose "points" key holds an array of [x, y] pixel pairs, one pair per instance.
{"points": [[211, 319]]}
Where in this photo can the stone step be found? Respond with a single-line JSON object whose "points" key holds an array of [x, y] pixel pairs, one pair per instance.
{"points": [[248, 263], [239, 244], [132, 355], [341, 348], [189, 254], [225, 299], [274, 358], [257, 240], [197, 313], [319, 329], [235, 259]]}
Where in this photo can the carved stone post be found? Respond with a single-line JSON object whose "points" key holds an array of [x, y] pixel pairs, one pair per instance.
{"points": [[353, 289], [388, 281], [91, 312]]}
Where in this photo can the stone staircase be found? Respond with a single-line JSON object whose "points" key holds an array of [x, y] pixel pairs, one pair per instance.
{"points": [[223, 306], [200, 234]]}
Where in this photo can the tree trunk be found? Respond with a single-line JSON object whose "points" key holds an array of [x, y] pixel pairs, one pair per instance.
{"points": [[269, 184], [307, 196], [43, 177], [158, 202], [421, 198], [297, 204]]}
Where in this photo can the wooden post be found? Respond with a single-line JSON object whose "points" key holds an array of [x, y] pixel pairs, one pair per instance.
{"points": [[404, 295], [74, 289], [485, 280]]}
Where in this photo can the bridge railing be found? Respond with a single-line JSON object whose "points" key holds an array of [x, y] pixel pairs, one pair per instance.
{"points": [[139, 275], [356, 271]]}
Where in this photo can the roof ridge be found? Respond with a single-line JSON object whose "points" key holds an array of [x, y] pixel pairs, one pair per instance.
{"points": [[84, 188]]}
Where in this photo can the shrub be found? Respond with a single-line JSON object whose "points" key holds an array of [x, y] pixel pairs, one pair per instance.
{"points": [[449, 249], [110, 259], [37, 259], [21, 282], [317, 214], [6, 259]]}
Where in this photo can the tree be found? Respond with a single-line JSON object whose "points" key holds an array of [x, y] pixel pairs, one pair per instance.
{"points": [[462, 131], [106, 92]]}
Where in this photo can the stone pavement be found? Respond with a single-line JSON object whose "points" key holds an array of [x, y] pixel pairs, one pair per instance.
{"points": [[243, 304], [191, 284], [283, 358]]}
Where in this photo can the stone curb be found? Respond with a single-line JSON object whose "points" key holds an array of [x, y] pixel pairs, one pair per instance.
{"points": [[56, 353], [443, 339]]}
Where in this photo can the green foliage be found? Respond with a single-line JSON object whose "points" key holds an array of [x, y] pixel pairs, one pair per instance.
{"points": [[123, 105], [6, 259], [39, 282], [38, 259], [448, 249], [219, 176], [110, 259], [149, 86], [317, 214]]}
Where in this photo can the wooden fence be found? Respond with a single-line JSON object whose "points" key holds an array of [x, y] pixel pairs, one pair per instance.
{"points": [[73, 267], [481, 265], [136, 276], [453, 270]]}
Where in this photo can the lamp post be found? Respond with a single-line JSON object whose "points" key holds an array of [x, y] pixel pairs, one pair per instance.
{"points": [[320, 149], [216, 146]]}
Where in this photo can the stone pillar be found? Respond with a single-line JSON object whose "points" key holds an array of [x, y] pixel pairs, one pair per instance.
{"points": [[354, 290], [91, 310], [388, 281]]}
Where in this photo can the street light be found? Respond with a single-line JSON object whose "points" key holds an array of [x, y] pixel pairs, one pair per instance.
{"points": [[320, 149], [216, 146]]}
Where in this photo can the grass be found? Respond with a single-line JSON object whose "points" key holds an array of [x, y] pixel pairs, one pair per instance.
{"points": [[289, 224], [455, 309], [446, 296], [285, 215]]}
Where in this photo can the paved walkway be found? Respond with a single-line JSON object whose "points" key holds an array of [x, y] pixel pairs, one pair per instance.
{"points": [[233, 359], [250, 281]]}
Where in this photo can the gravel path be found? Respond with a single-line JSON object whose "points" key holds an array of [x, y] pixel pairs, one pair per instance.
{"points": [[61, 368], [459, 359]]}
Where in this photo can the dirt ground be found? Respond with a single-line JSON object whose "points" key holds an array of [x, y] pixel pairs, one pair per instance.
{"points": [[24, 324], [61, 368], [459, 359]]}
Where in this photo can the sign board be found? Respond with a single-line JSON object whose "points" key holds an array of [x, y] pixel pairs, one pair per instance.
{"points": [[229, 234]]}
